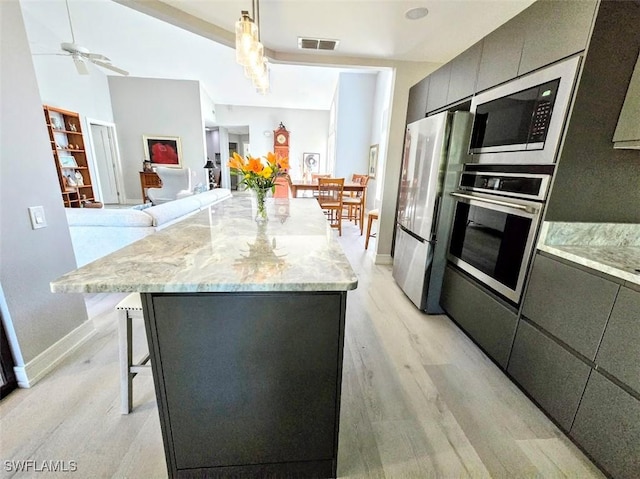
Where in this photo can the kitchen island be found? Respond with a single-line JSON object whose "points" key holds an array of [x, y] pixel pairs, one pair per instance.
{"points": [[245, 325]]}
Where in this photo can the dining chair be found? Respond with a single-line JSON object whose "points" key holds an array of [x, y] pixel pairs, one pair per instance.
{"points": [[314, 178], [373, 215], [354, 203], [330, 199]]}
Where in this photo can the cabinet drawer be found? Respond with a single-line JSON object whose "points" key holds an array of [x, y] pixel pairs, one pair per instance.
{"points": [[619, 353], [607, 426], [483, 318], [553, 376], [570, 303]]}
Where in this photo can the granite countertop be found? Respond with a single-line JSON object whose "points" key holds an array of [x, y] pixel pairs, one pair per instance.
{"points": [[223, 249], [607, 247]]}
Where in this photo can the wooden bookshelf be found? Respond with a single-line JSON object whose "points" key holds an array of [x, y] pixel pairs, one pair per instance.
{"points": [[69, 155]]}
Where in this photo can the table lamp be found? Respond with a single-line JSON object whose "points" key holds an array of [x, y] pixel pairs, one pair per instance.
{"points": [[210, 166]]}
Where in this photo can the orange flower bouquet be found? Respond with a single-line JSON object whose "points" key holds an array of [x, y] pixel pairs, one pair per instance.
{"points": [[259, 176]]}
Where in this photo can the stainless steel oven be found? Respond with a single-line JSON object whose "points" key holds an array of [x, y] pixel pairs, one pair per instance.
{"points": [[497, 216]]}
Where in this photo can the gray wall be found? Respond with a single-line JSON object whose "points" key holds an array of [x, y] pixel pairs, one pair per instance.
{"points": [[30, 259], [144, 106], [594, 182]]}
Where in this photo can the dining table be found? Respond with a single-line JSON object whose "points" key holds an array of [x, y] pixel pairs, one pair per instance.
{"points": [[312, 185]]}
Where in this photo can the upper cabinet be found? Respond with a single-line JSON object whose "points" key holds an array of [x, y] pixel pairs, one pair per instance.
{"points": [[417, 107], [501, 52], [627, 134], [544, 33], [554, 30], [464, 71], [438, 87]]}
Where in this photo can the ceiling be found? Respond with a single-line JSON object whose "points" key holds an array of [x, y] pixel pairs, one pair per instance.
{"points": [[372, 34]]}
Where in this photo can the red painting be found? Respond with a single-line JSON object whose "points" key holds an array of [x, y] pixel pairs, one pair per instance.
{"points": [[163, 151]]}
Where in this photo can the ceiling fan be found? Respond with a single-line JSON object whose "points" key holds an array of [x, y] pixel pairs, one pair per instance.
{"points": [[81, 55]]}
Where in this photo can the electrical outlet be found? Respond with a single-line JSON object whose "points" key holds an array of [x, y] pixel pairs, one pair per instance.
{"points": [[36, 213]]}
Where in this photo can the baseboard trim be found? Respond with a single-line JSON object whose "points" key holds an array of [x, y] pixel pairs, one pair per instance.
{"points": [[383, 259], [43, 363]]}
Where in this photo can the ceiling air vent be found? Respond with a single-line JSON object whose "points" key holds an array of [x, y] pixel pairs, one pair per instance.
{"points": [[317, 44]]}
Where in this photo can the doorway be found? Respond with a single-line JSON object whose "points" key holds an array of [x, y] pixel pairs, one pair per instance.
{"points": [[104, 149], [8, 380]]}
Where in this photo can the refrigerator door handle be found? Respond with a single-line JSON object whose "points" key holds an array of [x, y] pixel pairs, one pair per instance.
{"points": [[412, 234]]}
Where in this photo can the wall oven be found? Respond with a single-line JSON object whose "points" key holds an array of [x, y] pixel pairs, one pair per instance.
{"points": [[497, 216], [522, 120]]}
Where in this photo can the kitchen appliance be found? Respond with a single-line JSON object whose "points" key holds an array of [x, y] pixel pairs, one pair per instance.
{"points": [[498, 209], [435, 149], [522, 120]]}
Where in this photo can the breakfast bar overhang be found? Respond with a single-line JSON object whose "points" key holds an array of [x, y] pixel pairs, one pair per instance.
{"points": [[245, 326]]}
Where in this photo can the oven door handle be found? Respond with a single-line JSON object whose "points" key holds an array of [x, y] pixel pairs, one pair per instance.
{"points": [[528, 209]]}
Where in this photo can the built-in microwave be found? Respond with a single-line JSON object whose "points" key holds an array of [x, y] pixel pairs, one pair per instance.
{"points": [[522, 121]]}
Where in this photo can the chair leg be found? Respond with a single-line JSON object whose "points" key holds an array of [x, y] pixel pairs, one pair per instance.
{"points": [[366, 241], [126, 354]]}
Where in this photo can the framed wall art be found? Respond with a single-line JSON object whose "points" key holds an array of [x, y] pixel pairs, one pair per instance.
{"points": [[311, 162], [68, 161], [163, 150], [373, 161]]}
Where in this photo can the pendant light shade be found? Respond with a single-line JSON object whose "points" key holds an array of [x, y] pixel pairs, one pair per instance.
{"points": [[246, 37], [250, 51]]}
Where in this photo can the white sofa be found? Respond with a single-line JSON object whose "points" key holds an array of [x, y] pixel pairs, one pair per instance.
{"points": [[98, 232]]}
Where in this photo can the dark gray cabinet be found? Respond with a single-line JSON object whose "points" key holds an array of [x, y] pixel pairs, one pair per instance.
{"points": [[554, 29], [491, 324], [619, 353], [248, 384], [571, 304], [438, 87], [464, 72], [549, 373], [501, 52], [417, 107], [607, 427]]}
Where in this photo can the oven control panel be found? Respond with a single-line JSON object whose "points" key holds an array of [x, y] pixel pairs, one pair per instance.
{"points": [[521, 185]]}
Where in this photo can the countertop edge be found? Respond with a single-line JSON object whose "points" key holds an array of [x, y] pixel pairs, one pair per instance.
{"points": [[218, 288]]}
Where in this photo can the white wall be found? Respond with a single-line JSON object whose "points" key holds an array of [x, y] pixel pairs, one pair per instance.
{"points": [[354, 111], [30, 259], [405, 75], [309, 130], [61, 86], [380, 134], [144, 106]]}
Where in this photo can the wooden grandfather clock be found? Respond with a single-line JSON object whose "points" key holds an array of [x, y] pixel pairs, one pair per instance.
{"points": [[281, 141]]}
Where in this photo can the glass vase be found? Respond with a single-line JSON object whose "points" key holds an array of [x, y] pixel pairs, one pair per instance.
{"points": [[261, 197]]}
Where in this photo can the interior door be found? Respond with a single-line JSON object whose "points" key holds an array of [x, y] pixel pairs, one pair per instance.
{"points": [[105, 157]]}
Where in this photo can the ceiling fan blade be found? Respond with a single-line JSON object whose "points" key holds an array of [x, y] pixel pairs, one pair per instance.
{"points": [[80, 66], [109, 66], [97, 56]]}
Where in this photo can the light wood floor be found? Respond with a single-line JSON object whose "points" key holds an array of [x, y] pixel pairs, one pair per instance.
{"points": [[419, 400]]}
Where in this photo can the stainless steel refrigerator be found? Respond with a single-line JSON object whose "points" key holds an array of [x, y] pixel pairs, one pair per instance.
{"points": [[434, 151]]}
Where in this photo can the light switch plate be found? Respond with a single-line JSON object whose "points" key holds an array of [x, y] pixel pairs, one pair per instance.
{"points": [[38, 220]]}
